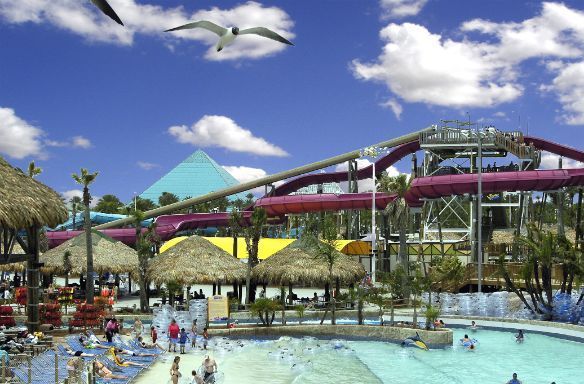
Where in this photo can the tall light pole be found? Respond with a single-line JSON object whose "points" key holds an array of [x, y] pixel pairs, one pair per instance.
{"points": [[373, 231], [480, 211], [135, 201]]}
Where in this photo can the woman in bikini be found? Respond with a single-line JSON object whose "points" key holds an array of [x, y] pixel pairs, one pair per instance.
{"points": [[105, 373], [174, 373], [71, 352], [121, 362]]}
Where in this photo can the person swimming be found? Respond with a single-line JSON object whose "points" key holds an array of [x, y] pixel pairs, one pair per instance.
{"points": [[519, 337], [514, 380], [474, 326]]}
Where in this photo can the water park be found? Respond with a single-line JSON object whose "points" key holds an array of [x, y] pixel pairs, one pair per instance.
{"points": [[346, 269], [408, 288]]}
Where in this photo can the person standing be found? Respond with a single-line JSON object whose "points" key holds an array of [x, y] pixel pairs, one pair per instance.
{"points": [[210, 368], [173, 332], [110, 329], [194, 334], [153, 334], [205, 338], [174, 370], [138, 327], [183, 337]]}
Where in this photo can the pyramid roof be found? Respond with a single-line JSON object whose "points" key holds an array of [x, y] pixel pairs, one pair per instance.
{"points": [[197, 175]]}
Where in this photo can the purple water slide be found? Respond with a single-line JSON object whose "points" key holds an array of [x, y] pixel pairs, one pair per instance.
{"points": [[280, 205], [433, 187], [558, 149], [381, 165], [166, 227]]}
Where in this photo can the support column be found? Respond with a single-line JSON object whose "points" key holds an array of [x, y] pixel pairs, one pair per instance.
{"points": [[32, 270]]}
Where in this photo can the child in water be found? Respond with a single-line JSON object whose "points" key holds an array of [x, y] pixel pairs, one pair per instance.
{"points": [[182, 340]]}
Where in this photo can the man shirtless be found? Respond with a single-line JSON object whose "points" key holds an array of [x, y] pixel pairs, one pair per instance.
{"points": [[210, 368]]}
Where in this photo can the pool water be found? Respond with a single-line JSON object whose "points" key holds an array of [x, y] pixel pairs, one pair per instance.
{"points": [[540, 359]]}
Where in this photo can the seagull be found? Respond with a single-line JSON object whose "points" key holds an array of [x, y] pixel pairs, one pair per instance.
{"points": [[227, 35], [108, 10]]}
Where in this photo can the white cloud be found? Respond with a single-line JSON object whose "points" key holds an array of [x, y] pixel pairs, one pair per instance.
{"points": [[82, 18], [146, 165], [500, 114], [551, 161], [18, 138], [244, 174], [401, 8], [395, 107], [223, 132], [419, 66], [569, 88], [81, 142]]}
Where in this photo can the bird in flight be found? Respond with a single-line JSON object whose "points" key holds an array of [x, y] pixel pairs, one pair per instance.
{"points": [[228, 35], [108, 10]]}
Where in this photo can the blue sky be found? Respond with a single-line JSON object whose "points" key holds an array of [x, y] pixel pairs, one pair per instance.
{"points": [[78, 90]]}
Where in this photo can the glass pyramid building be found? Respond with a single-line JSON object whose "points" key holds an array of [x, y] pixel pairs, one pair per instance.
{"points": [[197, 175]]}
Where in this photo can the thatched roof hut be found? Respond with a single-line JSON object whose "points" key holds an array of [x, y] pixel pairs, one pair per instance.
{"points": [[25, 202], [196, 261], [13, 267], [300, 263], [109, 255]]}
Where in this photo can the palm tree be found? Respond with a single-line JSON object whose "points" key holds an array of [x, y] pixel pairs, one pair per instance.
{"points": [[85, 178], [167, 198], [399, 213], [145, 246], [33, 170], [252, 234], [327, 251], [76, 205]]}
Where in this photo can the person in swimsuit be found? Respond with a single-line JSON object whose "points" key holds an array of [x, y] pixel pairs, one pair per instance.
{"points": [[196, 378], [71, 352], [514, 380], [153, 335], [144, 345], [102, 371], [210, 368], [138, 327], [519, 337], [133, 353], [194, 334], [174, 372], [205, 338], [121, 362], [91, 345]]}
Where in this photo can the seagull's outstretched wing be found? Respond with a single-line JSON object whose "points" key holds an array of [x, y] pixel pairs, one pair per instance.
{"points": [[265, 32], [108, 10], [220, 31]]}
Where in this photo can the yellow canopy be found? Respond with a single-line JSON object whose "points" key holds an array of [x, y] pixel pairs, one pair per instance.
{"points": [[353, 247], [268, 247]]}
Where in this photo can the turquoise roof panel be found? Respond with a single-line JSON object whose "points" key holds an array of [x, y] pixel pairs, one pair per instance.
{"points": [[197, 175]]}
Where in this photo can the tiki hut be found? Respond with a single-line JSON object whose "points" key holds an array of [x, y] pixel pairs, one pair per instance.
{"points": [[196, 261], [300, 263], [109, 255], [13, 267], [25, 202]]}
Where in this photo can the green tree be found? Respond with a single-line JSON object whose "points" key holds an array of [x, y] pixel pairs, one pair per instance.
{"points": [[146, 243], [76, 205], [399, 213], [265, 309], [143, 205], [108, 204], [67, 266], [167, 198], [252, 234], [85, 179], [33, 170], [326, 251]]}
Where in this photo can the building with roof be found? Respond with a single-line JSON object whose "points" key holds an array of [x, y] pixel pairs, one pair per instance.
{"points": [[196, 175]]}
